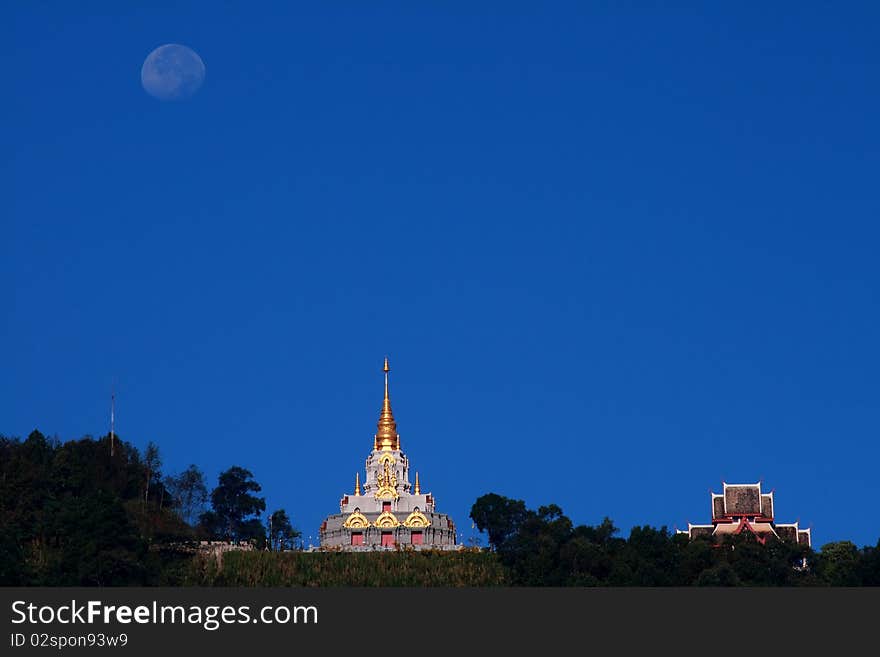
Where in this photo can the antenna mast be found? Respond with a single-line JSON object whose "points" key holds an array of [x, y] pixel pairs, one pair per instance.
{"points": [[112, 418]]}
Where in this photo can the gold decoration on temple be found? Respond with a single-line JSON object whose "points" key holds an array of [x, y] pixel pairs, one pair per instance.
{"points": [[387, 477], [386, 493], [418, 490], [386, 438], [387, 458], [357, 483], [416, 519], [387, 519], [387, 482], [356, 520]]}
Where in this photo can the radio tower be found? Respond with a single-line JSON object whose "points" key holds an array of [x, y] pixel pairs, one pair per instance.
{"points": [[112, 408]]}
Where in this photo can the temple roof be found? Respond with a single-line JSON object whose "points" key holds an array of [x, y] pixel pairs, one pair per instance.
{"points": [[717, 506], [697, 530], [743, 507], [742, 499]]}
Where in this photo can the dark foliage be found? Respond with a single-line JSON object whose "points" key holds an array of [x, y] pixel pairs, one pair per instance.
{"points": [[73, 514], [543, 548], [235, 511], [189, 493], [500, 517], [281, 532]]}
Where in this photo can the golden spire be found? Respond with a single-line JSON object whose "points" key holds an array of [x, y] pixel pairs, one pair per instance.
{"points": [[386, 438], [357, 483], [418, 488]]}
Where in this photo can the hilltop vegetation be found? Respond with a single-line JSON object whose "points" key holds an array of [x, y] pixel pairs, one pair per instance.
{"points": [[469, 567], [75, 514], [79, 513], [544, 548]]}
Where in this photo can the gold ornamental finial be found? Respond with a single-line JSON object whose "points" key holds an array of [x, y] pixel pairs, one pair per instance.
{"points": [[386, 438], [357, 483], [418, 488]]}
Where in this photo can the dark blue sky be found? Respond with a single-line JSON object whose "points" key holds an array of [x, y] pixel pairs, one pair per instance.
{"points": [[616, 255]]}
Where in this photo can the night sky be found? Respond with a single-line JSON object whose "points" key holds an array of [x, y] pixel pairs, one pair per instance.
{"points": [[615, 254]]}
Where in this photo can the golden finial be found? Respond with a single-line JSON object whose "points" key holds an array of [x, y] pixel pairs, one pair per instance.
{"points": [[418, 488], [357, 483], [386, 438]]}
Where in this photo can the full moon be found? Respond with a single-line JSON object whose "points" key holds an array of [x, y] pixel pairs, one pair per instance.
{"points": [[172, 72]]}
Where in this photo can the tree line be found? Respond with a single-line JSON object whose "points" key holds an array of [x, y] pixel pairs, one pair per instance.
{"points": [[544, 548], [81, 513]]}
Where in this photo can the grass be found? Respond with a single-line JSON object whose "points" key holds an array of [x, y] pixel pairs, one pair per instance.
{"points": [[397, 568]]}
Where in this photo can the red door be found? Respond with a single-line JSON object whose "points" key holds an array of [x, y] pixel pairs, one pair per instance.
{"points": [[357, 538], [388, 539], [417, 538], [386, 506]]}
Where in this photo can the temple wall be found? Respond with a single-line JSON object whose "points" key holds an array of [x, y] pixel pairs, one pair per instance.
{"points": [[438, 534]]}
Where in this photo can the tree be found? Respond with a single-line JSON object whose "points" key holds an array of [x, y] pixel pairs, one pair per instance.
{"points": [[533, 552], [695, 556], [869, 570], [838, 564], [652, 556], [100, 545], [774, 562], [234, 506], [209, 525], [152, 465], [721, 575], [500, 517], [281, 532], [252, 531], [602, 534], [189, 492]]}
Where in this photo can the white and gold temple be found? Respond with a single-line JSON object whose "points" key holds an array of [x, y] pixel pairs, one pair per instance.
{"points": [[387, 511]]}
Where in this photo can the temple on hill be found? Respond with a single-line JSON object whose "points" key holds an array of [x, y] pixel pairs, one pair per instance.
{"points": [[388, 510], [745, 508]]}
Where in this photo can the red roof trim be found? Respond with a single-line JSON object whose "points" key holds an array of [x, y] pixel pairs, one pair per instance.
{"points": [[746, 524]]}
